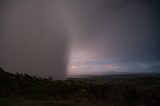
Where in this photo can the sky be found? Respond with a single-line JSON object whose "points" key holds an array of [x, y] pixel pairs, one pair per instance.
{"points": [[33, 38], [61, 38], [109, 36]]}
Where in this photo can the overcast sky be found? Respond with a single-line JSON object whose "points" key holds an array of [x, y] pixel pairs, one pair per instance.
{"points": [[113, 35], [72, 37]]}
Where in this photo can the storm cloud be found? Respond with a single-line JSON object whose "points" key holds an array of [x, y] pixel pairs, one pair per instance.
{"points": [[121, 33], [33, 38], [47, 38]]}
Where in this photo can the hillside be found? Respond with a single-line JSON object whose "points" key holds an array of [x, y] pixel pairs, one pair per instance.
{"points": [[79, 92]]}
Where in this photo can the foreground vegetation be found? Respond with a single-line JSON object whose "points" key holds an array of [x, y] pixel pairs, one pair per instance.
{"points": [[24, 90]]}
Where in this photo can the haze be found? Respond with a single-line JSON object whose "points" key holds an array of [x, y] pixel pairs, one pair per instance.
{"points": [[60, 38]]}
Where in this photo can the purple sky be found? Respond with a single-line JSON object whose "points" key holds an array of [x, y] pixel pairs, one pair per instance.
{"points": [[71, 37]]}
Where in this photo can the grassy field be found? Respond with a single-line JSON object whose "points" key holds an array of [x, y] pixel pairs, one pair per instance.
{"points": [[12, 101], [139, 92], [25, 102], [120, 90]]}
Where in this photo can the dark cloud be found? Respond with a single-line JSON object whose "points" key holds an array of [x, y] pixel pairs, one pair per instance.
{"points": [[123, 34], [114, 32], [34, 39]]}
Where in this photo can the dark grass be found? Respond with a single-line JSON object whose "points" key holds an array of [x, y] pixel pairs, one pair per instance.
{"points": [[24, 90]]}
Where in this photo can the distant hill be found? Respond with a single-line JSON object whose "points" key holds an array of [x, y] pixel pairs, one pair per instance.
{"points": [[119, 76]]}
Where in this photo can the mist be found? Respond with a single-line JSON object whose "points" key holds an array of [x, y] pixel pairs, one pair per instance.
{"points": [[113, 36], [33, 38], [60, 38]]}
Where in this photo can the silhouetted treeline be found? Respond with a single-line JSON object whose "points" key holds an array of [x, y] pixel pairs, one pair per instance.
{"points": [[122, 92]]}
